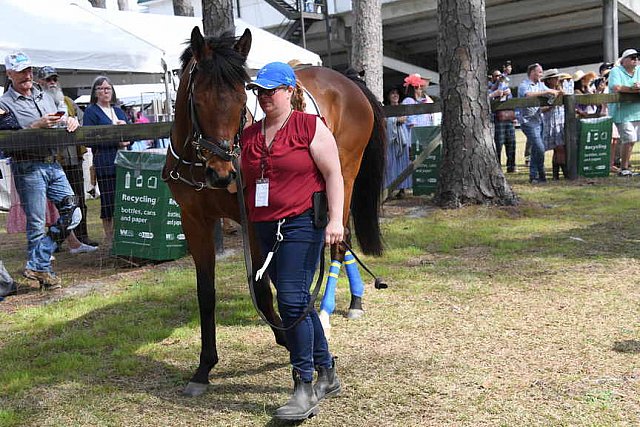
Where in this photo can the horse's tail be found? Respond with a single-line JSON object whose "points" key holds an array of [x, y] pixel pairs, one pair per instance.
{"points": [[367, 188]]}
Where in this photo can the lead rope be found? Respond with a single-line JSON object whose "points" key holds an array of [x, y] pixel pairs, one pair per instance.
{"points": [[244, 223]]}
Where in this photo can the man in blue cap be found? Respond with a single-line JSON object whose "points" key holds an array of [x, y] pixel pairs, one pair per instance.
{"points": [[36, 173]]}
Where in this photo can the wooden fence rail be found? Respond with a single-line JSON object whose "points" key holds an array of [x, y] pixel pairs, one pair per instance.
{"points": [[96, 135]]}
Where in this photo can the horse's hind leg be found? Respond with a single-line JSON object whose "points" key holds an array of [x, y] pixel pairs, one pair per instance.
{"points": [[328, 304], [339, 256], [201, 245], [356, 285], [264, 296]]}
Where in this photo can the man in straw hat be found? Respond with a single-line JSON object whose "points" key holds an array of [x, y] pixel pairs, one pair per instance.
{"points": [[625, 78]]}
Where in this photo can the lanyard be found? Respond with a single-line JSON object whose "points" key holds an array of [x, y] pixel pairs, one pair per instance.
{"points": [[266, 148]]}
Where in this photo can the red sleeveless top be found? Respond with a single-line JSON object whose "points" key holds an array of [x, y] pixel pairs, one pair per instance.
{"points": [[292, 173]]}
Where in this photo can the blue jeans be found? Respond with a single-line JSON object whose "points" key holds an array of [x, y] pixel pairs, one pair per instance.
{"points": [[533, 132], [35, 183], [291, 270]]}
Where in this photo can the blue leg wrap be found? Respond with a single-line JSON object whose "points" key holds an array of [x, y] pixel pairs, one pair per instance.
{"points": [[328, 303], [355, 281]]}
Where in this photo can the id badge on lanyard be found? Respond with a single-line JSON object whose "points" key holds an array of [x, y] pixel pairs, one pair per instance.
{"points": [[262, 192]]}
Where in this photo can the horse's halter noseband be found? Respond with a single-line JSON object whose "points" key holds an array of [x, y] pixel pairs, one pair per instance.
{"points": [[220, 148]]}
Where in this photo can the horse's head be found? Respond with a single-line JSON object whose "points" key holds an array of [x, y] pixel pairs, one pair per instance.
{"points": [[215, 101]]}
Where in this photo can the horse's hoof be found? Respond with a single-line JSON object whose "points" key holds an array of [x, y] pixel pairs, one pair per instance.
{"points": [[195, 389], [324, 320], [355, 313]]}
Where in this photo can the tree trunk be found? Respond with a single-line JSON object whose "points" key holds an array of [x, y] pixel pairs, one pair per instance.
{"points": [[102, 4], [366, 42], [217, 17], [470, 173], [123, 4], [182, 8]]}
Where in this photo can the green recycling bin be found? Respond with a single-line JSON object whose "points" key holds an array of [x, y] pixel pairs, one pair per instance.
{"points": [[594, 147], [426, 175], [147, 222]]}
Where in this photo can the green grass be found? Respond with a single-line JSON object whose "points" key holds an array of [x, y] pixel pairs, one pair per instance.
{"points": [[524, 315]]}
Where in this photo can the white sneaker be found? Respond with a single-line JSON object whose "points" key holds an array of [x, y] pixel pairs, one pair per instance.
{"points": [[83, 249]]}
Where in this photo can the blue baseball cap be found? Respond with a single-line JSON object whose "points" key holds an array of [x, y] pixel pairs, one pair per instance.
{"points": [[273, 75]]}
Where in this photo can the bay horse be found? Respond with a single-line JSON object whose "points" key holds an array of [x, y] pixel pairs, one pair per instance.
{"points": [[210, 114]]}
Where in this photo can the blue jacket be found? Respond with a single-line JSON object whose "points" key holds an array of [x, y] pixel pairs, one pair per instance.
{"points": [[103, 155]]}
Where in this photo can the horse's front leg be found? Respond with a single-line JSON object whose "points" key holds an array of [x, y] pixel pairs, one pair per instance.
{"points": [[262, 287], [200, 236]]}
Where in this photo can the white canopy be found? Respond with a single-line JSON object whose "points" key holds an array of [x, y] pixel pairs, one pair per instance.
{"points": [[169, 33], [72, 35], [64, 35]]}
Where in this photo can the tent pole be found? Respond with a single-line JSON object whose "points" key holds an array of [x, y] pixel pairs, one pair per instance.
{"points": [[167, 100]]}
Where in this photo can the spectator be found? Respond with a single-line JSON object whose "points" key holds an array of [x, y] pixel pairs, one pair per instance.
{"points": [[141, 118], [553, 126], [625, 78], [145, 144], [398, 143], [415, 87], [506, 70], [70, 158], [583, 86], [504, 129], [102, 111], [37, 175], [603, 111], [530, 119]]}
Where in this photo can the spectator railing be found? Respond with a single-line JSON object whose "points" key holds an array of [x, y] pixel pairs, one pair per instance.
{"points": [[96, 135], [569, 103]]}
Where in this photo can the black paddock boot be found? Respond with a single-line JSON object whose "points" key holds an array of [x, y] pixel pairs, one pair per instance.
{"points": [[328, 383], [556, 171], [302, 405]]}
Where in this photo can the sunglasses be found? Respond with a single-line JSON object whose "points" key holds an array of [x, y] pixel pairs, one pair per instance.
{"points": [[633, 57], [51, 79], [258, 91]]}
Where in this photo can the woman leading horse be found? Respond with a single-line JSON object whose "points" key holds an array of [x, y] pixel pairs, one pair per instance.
{"points": [[209, 118]]}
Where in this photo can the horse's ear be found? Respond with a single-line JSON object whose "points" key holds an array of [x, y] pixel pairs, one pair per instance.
{"points": [[243, 45], [197, 43]]}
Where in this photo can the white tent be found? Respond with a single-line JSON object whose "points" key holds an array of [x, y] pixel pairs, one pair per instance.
{"points": [[71, 35], [169, 34], [64, 35]]}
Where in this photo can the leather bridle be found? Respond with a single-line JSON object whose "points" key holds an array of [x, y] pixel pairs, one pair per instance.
{"points": [[204, 147]]}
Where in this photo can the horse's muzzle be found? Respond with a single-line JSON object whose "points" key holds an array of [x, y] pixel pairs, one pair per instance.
{"points": [[216, 181]]}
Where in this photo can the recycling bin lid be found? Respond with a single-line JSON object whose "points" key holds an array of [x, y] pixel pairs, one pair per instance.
{"points": [[142, 160]]}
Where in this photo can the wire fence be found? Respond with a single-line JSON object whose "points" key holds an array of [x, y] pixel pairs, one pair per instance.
{"points": [[57, 145]]}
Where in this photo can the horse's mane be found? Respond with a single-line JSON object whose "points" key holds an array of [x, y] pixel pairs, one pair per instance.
{"points": [[224, 66]]}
